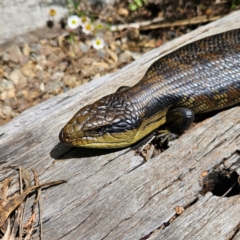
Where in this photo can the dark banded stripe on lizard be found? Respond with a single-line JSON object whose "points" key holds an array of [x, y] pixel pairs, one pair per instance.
{"points": [[200, 77]]}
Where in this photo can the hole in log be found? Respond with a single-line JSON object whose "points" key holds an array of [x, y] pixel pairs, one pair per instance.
{"points": [[221, 183]]}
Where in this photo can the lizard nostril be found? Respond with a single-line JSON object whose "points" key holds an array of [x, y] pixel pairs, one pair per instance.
{"points": [[63, 137]]}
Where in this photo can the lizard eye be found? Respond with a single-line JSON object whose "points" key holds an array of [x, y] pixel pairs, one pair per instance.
{"points": [[112, 128], [99, 130]]}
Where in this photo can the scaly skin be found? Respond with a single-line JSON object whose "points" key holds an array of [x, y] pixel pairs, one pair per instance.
{"points": [[202, 76]]}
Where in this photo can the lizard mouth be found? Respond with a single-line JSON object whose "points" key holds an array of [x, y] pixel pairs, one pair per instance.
{"points": [[65, 137], [99, 137]]}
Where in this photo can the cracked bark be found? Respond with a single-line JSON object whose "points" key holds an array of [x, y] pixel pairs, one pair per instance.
{"points": [[112, 194]]}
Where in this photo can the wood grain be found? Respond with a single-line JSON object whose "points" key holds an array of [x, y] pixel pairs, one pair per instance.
{"points": [[115, 194]]}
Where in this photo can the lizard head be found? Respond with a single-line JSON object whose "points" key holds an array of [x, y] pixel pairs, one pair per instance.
{"points": [[111, 122]]}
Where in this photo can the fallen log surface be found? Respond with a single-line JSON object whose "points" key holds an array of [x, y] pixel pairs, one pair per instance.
{"points": [[113, 194]]}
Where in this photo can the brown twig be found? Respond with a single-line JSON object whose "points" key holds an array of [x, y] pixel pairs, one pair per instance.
{"points": [[228, 190], [195, 20], [38, 200], [120, 27]]}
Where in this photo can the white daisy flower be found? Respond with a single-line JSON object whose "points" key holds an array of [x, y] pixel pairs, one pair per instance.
{"points": [[87, 28], [84, 20], [98, 43], [73, 22], [99, 26], [52, 12]]}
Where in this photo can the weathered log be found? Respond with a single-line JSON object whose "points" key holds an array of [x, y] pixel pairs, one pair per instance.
{"points": [[113, 194]]}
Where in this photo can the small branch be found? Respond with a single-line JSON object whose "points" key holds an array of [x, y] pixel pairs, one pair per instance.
{"points": [[195, 20], [135, 25], [157, 23], [228, 190]]}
